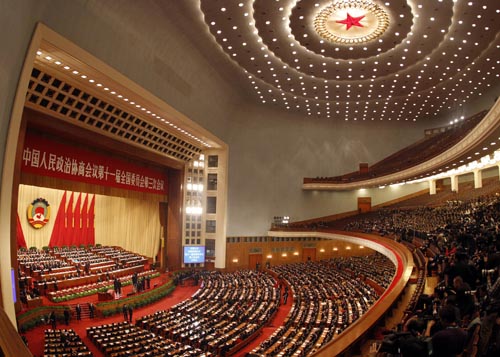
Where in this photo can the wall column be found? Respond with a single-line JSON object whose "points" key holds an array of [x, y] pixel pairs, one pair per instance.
{"points": [[454, 183], [432, 187], [478, 178]]}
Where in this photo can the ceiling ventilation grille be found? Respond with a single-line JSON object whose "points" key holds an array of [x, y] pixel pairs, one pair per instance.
{"points": [[49, 94]]}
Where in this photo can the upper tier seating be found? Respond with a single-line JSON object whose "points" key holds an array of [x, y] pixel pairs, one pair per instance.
{"points": [[412, 155]]}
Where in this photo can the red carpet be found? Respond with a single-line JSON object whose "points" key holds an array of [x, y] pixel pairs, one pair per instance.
{"points": [[36, 336]]}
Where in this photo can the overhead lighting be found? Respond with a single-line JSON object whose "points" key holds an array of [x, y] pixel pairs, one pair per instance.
{"points": [[365, 22]]}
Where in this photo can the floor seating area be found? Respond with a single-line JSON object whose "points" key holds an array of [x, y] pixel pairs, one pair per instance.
{"points": [[227, 311], [62, 342], [326, 300], [125, 339], [375, 267]]}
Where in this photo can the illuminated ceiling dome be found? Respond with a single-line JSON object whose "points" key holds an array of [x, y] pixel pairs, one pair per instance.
{"points": [[353, 22], [361, 60]]}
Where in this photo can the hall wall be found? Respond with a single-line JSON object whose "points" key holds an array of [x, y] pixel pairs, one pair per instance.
{"points": [[270, 151], [268, 163]]}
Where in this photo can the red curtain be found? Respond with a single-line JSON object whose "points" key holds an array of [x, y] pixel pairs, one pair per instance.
{"points": [[21, 242], [59, 230]]}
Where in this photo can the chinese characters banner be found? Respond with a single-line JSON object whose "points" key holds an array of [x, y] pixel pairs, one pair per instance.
{"points": [[42, 156]]}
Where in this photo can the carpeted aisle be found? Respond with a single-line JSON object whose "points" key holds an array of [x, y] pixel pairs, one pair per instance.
{"points": [[36, 336]]}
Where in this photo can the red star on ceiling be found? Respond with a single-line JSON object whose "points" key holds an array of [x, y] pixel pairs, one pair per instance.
{"points": [[351, 21]]}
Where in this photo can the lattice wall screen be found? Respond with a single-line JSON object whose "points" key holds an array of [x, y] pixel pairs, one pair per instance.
{"points": [[75, 105]]}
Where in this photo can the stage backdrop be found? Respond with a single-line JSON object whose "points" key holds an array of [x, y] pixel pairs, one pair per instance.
{"points": [[128, 223]]}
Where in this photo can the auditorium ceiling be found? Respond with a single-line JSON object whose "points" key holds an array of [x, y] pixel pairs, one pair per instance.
{"points": [[342, 60]]}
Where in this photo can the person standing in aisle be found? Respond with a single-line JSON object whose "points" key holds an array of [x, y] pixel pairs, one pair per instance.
{"points": [[125, 312], [130, 310], [91, 310], [78, 310]]}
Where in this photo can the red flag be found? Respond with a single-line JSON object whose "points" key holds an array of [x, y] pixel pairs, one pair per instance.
{"points": [[77, 224], [59, 230], [85, 220], [91, 222], [68, 237], [21, 242]]}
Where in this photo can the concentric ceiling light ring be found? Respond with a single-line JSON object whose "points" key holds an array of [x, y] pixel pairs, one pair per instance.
{"points": [[375, 15]]}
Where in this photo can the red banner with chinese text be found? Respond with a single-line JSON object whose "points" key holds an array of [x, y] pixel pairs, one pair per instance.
{"points": [[45, 157]]}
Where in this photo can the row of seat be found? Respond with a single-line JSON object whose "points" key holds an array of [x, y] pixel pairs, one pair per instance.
{"points": [[326, 301], [229, 309], [124, 339], [64, 342]]}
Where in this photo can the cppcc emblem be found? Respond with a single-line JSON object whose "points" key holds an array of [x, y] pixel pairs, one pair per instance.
{"points": [[39, 213]]}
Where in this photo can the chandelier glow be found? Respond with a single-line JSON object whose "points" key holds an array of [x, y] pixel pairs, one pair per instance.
{"points": [[329, 22]]}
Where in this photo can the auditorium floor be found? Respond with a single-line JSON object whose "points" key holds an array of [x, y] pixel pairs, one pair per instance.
{"points": [[36, 336]]}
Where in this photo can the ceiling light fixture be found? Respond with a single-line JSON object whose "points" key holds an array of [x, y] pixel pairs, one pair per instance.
{"points": [[364, 22]]}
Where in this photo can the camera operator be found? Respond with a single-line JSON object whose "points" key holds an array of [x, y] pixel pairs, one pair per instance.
{"points": [[464, 297], [410, 342], [489, 344], [459, 266], [415, 343], [451, 339]]}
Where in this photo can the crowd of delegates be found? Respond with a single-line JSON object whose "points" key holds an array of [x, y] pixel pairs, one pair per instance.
{"points": [[126, 340], [35, 260], [375, 267], [327, 299], [227, 311], [462, 243], [64, 343], [44, 270]]}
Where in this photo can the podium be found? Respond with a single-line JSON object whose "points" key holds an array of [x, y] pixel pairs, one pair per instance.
{"points": [[105, 296]]}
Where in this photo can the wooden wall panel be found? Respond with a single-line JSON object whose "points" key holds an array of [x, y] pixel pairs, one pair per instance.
{"points": [[308, 254], [13, 212], [173, 243], [325, 249], [253, 260], [364, 204]]}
